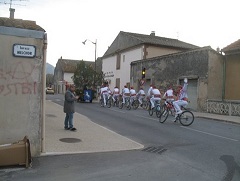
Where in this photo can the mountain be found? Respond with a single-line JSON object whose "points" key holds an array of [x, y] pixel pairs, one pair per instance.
{"points": [[49, 69]]}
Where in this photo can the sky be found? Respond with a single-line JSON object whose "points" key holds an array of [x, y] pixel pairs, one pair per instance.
{"points": [[68, 23]]}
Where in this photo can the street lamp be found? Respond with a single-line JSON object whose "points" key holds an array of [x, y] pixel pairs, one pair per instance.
{"points": [[95, 43]]}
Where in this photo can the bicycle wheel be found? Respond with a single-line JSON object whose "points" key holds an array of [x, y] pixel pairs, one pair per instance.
{"points": [[135, 104], [158, 111], [128, 105], [109, 103], [101, 102], [116, 103], [120, 104], [150, 111], [144, 104], [164, 115], [186, 118]]}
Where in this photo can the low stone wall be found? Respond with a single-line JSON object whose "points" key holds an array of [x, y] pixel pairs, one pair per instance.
{"points": [[225, 107]]}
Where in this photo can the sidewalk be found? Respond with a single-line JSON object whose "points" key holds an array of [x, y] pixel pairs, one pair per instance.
{"points": [[232, 119], [89, 137]]}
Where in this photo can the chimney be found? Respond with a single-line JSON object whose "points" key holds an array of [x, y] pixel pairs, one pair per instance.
{"points": [[152, 33], [11, 13]]}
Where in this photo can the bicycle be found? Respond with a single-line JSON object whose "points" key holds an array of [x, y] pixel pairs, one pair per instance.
{"points": [[116, 102], [186, 118], [146, 103], [135, 103], [157, 108], [108, 101], [127, 103]]}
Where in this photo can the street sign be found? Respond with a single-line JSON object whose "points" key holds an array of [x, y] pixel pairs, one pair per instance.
{"points": [[24, 50], [142, 82]]}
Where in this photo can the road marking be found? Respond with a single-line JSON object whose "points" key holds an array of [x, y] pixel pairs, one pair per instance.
{"points": [[147, 118], [117, 111], [209, 133]]}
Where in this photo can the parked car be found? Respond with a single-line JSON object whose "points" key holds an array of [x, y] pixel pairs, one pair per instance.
{"points": [[49, 90]]}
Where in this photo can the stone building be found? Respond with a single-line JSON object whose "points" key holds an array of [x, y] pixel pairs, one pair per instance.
{"points": [[202, 66]]}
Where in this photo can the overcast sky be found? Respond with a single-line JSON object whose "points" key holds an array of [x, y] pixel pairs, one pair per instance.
{"points": [[67, 23]]}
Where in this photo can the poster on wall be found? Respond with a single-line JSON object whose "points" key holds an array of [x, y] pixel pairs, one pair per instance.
{"points": [[87, 95]]}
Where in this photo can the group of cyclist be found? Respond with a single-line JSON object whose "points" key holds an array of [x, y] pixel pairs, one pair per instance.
{"points": [[153, 94]]}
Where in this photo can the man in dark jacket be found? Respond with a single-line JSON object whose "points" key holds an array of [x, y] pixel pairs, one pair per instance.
{"points": [[69, 108]]}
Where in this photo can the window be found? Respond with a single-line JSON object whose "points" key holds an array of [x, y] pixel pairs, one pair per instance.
{"points": [[118, 61]]}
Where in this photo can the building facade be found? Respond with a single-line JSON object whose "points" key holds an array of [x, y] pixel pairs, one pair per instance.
{"points": [[22, 82], [128, 47], [63, 73], [202, 67]]}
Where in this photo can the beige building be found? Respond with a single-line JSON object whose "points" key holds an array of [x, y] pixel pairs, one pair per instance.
{"points": [[128, 47], [22, 82], [232, 68]]}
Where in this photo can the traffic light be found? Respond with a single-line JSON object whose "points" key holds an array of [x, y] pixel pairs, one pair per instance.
{"points": [[143, 73]]}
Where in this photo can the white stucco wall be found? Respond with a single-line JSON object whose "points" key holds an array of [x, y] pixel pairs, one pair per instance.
{"points": [[109, 66], [68, 77], [21, 88]]}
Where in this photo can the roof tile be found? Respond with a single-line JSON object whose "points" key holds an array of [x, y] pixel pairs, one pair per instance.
{"points": [[19, 23], [232, 47]]}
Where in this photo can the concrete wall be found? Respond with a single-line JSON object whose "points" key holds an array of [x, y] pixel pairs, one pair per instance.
{"points": [[21, 87], [215, 76]]}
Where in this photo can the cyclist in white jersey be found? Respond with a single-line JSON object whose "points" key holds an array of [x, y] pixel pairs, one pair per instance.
{"points": [[125, 93], [182, 98], [155, 95], [132, 94], [115, 93]]}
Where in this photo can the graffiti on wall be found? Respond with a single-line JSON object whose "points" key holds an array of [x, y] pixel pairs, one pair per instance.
{"points": [[16, 79]]}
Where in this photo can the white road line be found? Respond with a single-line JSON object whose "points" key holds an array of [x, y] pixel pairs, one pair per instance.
{"points": [[147, 118], [209, 134], [117, 111]]}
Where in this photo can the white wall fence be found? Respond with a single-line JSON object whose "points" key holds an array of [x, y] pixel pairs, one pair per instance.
{"points": [[225, 107]]}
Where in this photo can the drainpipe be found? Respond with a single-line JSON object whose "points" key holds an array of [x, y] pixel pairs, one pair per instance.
{"points": [[224, 77], [44, 92]]}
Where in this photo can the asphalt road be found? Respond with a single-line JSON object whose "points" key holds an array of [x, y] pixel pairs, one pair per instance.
{"points": [[207, 150]]}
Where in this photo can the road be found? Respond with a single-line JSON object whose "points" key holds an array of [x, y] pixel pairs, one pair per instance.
{"points": [[207, 150]]}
